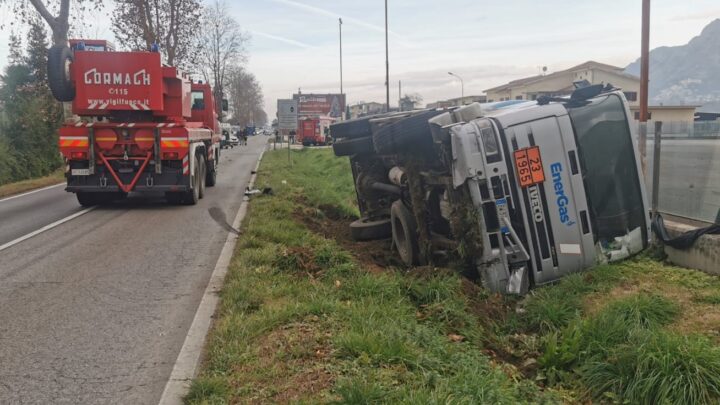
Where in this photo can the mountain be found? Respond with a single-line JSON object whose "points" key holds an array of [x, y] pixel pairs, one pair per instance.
{"points": [[686, 74]]}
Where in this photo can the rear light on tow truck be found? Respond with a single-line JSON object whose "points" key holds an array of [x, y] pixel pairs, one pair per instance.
{"points": [[78, 155], [171, 156]]}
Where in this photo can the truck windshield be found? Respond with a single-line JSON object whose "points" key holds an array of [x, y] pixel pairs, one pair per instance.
{"points": [[610, 172]]}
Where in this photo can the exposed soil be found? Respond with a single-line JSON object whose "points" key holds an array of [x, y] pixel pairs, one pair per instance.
{"points": [[374, 256]]}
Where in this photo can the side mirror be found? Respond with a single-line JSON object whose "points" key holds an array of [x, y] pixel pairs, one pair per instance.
{"points": [[225, 105]]}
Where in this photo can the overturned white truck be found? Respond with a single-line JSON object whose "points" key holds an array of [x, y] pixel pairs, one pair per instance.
{"points": [[522, 192]]}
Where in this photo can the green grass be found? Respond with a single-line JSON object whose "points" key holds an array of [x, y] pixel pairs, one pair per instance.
{"points": [[28, 185], [302, 321]]}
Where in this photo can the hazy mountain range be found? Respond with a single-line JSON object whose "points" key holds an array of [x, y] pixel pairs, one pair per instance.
{"points": [[686, 74]]}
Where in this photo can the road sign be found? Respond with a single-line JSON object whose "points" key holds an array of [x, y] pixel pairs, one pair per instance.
{"points": [[288, 115]]}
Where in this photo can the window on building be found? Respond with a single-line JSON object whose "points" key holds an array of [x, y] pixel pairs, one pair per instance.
{"points": [[630, 95], [534, 97], [518, 97], [637, 115]]}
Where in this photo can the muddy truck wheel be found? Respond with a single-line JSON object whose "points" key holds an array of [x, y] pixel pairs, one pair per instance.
{"points": [[58, 69], [404, 233], [366, 229], [409, 134], [350, 147]]}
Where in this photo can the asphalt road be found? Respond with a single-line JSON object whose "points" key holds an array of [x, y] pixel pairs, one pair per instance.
{"points": [[689, 177], [97, 309]]}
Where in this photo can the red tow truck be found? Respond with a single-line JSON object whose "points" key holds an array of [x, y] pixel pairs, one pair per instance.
{"points": [[138, 125]]}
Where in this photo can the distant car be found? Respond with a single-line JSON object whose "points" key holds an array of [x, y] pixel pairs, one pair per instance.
{"points": [[234, 141]]}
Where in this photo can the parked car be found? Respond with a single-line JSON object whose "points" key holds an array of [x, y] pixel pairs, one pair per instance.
{"points": [[525, 192]]}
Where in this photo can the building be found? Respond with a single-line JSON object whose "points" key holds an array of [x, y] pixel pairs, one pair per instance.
{"points": [[459, 101], [678, 120], [365, 109], [561, 83]]}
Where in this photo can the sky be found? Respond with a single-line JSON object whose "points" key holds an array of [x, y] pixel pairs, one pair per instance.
{"points": [[295, 43]]}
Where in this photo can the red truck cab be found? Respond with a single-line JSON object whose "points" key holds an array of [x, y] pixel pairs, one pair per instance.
{"points": [[314, 130]]}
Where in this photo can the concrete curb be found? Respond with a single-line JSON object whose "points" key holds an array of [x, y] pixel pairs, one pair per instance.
{"points": [[188, 360]]}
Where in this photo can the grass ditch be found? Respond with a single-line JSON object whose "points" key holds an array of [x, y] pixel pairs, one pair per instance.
{"points": [[10, 189], [309, 316]]}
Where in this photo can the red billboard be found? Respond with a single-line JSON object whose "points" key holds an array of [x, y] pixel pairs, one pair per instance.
{"points": [[332, 105]]}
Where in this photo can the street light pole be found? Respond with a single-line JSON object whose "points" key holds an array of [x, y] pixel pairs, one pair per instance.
{"points": [[462, 87], [387, 62], [644, 79]]}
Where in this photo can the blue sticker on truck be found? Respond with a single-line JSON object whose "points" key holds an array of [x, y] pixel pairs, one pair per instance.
{"points": [[562, 201]]}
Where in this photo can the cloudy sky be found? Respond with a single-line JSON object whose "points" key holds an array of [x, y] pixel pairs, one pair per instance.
{"points": [[295, 42]]}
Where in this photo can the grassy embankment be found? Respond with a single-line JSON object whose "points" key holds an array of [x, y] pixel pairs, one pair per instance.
{"points": [[28, 185], [309, 316]]}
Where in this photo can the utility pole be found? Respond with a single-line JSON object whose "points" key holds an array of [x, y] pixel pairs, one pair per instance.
{"points": [[644, 80], [387, 61], [341, 67]]}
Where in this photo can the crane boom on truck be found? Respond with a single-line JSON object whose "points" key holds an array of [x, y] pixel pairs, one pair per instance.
{"points": [[138, 126]]}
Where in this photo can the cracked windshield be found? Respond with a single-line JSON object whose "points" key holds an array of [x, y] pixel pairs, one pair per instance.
{"points": [[359, 202]]}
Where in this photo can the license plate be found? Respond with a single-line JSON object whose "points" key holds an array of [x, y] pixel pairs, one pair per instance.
{"points": [[528, 165], [80, 172]]}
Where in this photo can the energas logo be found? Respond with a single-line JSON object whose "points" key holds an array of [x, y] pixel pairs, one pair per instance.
{"points": [[563, 202]]}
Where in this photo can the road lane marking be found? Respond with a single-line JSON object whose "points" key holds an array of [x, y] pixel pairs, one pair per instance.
{"points": [[32, 192], [45, 228], [188, 360]]}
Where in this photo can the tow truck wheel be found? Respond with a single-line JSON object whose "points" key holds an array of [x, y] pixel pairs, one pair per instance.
{"points": [[192, 196], [201, 177], [404, 232], [211, 178]]}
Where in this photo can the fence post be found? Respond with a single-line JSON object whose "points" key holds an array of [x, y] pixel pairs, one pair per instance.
{"points": [[656, 168]]}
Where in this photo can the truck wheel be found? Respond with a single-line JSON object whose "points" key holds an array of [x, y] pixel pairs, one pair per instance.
{"points": [[201, 177], [192, 196], [366, 229], [404, 233], [59, 59], [357, 128], [211, 178], [411, 133], [349, 147]]}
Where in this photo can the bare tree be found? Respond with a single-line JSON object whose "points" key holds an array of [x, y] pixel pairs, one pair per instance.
{"points": [[56, 13], [171, 24], [246, 98], [222, 45]]}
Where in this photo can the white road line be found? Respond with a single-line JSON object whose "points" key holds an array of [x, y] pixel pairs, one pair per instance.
{"points": [[45, 228], [32, 192], [188, 360]]}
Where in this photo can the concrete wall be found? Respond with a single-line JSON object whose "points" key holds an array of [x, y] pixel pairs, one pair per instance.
{"points": [[704, 255]]}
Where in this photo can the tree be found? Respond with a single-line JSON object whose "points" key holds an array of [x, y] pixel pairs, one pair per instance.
{"points": [[31, 115], [59, 23], [410, 101], [221, 44], [172, 24], [246, 98]]}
